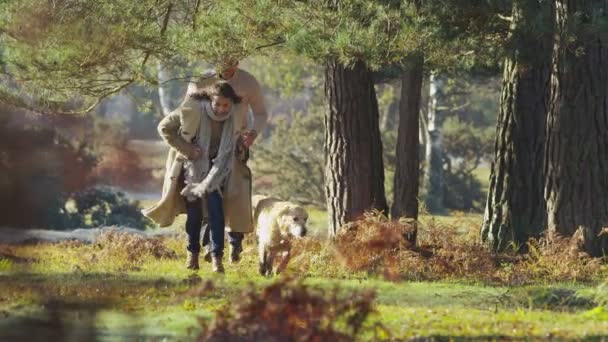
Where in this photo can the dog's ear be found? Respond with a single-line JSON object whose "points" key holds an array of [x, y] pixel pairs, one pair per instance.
{"points": [[282, 215], [298, 211], [283, 211], [304, 212]]}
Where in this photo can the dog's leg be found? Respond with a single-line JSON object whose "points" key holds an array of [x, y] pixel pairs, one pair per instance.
{"points": [[284, 259], [269, 261], [262, 259]]}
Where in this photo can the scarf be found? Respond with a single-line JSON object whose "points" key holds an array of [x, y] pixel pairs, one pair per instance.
{"points": [[200, 178]]}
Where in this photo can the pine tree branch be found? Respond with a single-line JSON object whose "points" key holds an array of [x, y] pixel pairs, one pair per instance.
{"points": [[163, 29], [504, 17], [275, 43], [36, 110]]}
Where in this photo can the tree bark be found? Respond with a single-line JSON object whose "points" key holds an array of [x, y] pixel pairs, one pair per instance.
{"points": [[405, 199], [576, 153], [515, 207], [433, 175], [354, 171]]}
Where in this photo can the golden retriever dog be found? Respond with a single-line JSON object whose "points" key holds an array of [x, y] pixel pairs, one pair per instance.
{"points": [[276, 223]]}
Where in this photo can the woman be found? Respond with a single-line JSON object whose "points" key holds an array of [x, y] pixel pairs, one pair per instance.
{"points": [[202, 178]]}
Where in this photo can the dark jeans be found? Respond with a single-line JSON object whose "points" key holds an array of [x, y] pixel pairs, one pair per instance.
{"points": [[214, 230], [234, 239]]}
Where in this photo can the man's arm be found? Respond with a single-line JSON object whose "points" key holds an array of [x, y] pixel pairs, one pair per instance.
{"points": [[258, 107]]}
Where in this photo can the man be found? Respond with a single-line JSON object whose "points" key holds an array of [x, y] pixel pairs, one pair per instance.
{"points": [[248, 88], [245, 86]]}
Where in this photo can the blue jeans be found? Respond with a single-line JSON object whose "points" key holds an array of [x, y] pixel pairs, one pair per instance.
{"points": [[214, 230], [235, 239]]}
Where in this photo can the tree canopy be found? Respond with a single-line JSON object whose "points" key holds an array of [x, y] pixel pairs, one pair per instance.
{"points": [[68, 54]]}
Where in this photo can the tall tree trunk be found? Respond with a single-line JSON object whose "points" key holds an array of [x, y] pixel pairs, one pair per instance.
{"points": [[515, 207], [405, 200], [433, 175], [576, 154], [163, 89], [423, 120], [354, 171]]}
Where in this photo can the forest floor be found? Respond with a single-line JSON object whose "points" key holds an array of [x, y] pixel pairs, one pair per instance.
{"points": [[129, 287]]}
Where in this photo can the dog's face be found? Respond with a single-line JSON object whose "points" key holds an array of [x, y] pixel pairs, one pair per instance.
{"points": [[293, 221]]}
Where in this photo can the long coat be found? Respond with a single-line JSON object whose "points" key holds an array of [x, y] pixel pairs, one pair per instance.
{"points": [[177, 129]]}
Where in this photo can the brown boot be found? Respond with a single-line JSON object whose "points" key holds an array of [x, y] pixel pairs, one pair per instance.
{"points": [[192, 261], [207, 255], [235, 254], [216, 264]]}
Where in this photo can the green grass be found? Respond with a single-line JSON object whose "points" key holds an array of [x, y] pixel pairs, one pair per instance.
{"points": [[454, 308], [159, 298], [153, 297]]}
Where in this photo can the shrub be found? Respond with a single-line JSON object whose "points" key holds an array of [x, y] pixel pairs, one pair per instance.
{"points": [[101, 207], [45, 168], [375, 245], [39, 167], [556, 258], [130, 249], [291, 311]]}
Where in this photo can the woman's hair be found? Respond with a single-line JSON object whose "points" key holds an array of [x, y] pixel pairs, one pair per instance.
{"points": [[220, 88]]}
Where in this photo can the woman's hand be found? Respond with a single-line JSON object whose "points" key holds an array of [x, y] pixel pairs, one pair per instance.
{"points": [[196, 154], [248, 138]]}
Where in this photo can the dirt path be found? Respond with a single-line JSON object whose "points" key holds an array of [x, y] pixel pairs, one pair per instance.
{"points": [[19, 236]]}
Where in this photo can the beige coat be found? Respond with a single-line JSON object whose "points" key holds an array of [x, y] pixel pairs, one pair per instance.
{"points": [[177, 129]]}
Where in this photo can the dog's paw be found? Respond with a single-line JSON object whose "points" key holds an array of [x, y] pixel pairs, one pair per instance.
{"points": [[262, 269], [265, 270]]}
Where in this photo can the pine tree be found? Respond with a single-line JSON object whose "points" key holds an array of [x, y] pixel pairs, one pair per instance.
{"points": [[577, 125], [515, 208]]}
